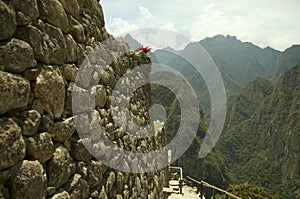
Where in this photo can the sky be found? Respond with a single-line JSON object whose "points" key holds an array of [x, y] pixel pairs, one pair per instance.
{"points": [[262, 22]]}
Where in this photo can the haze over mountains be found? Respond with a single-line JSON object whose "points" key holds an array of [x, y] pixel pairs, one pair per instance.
{"points": [[260, 140], [238, 62]]}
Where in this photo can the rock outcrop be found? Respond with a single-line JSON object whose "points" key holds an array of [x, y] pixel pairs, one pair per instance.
{"points": [[43, 46]]}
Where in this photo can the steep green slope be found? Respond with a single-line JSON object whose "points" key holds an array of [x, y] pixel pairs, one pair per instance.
{"points": [[211, 168], [264, 149], [247, 101], [247, 191]]}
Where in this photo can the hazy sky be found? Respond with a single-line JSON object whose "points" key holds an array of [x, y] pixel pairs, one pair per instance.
{"points": [[264, 22]]}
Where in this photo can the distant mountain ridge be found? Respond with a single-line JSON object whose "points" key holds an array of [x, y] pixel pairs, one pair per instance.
{"points": [[238, 62]]}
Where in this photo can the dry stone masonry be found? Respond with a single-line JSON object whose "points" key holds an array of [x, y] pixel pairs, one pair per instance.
{"points": [[42, 46]]}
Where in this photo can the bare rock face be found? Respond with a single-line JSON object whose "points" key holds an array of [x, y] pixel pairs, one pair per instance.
{"points": [[53, 12], [60, 167], [14, 92], [17, 56], [29, 181], [8, 21], [50, 90], [12, 145]]}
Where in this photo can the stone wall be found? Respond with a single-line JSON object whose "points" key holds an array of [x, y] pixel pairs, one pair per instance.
{"points": [[42, 46]]}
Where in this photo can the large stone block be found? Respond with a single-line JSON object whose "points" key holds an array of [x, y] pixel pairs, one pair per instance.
{"points": [[79, 151], [78, 187], [50, 90], [8, 21], [12, 145], [48, 42], [62, 131], [72, 7], [76, 30], [30, 122], [53, 12], [60, 167], [14, 92], [16, 56], [40, 147], [27, 7], [30, 181]]}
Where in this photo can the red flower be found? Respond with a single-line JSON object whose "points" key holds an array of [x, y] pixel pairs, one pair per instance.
{"points": [[145, 49]]}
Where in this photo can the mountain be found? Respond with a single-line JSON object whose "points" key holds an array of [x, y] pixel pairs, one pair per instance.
{"points": [[133, 44], [238, 63], [290, 57], [242, 61], [264, 149]]}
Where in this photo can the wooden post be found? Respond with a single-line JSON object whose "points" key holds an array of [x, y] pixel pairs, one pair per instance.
{"points": [[214, 196]]}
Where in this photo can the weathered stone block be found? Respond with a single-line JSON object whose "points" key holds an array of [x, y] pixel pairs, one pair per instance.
{"points": [[50, 90], [16, 56], [14, 92], [53, 12], [30, 122], [63, 130], [60, 167], [40, 147], [72, 7], [12, 145], [30, 181], [27, 7], [48, 42], [8, 21]]}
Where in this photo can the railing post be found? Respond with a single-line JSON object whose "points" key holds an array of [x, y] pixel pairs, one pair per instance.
{"points": [[201, 190], [214, 197], [180, 186]]}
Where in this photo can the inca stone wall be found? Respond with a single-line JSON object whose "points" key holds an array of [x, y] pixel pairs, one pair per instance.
{"points": [[42, 46]]}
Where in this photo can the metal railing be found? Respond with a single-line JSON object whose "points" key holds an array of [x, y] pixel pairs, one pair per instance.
{"points": [[205, 184]]}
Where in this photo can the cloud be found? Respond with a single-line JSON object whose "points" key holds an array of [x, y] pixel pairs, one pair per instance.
{"points": [[265, 23], [168, 26], [263, 26], [119, 26], [145, 13]]}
